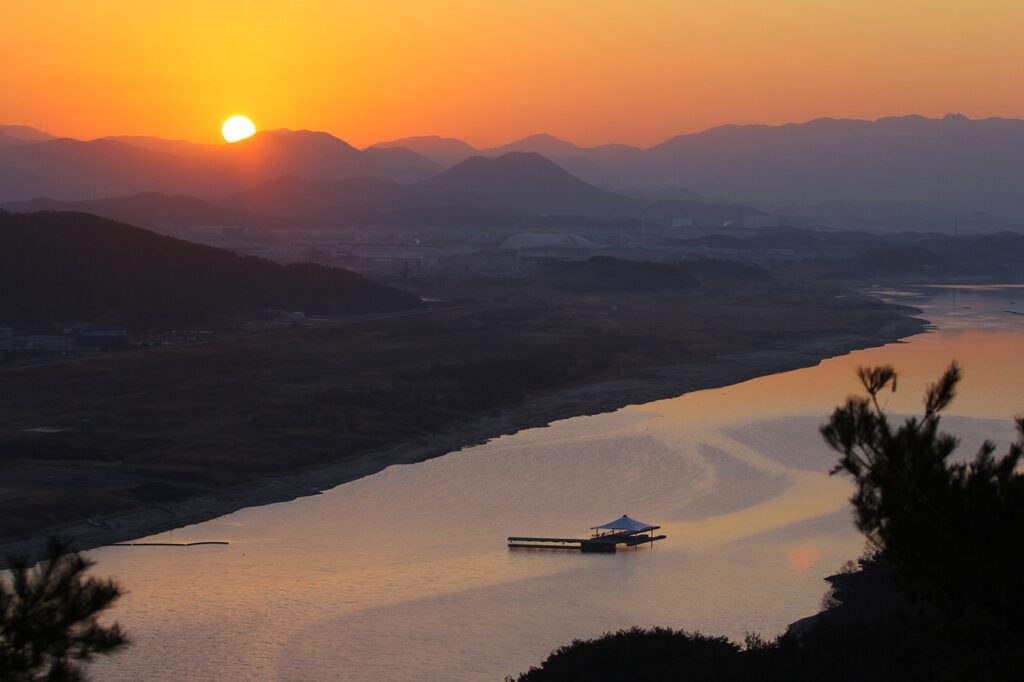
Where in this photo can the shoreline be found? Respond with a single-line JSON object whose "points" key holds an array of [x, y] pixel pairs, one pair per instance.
{"points": [[644, 386]]}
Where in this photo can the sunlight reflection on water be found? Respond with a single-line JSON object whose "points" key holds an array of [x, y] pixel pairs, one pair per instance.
{"points": [[404, 575]]}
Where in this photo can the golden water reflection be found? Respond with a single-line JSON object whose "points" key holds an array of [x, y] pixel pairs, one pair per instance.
{"points": [[404, 575]]}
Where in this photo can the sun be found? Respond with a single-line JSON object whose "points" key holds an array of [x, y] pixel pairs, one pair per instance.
{"points": [[237, 128]]}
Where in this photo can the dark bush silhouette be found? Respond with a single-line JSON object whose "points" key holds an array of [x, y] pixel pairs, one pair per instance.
{"points": [[48, 618], [637, 654]]}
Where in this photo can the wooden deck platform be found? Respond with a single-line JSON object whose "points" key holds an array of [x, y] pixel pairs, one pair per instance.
{"points": [[600, 544]]}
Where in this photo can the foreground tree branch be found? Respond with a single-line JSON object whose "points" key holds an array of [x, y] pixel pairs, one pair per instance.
{"points": [[49, 618]]}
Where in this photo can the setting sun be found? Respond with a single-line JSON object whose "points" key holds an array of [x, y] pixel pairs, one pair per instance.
{"points": [[237, 128]]}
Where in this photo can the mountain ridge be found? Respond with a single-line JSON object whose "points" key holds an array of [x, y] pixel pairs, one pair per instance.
{"points": [[91, 269]]}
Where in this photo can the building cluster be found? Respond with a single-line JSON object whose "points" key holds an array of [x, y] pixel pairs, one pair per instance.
{"points": [[69, 339]]}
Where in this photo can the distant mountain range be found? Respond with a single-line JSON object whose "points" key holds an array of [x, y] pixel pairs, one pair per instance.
{"points": [[74, 267], [63, 168], [954, 163], [887, 171], [514, 189], [588, 163], [17, 136], [161, 213]]}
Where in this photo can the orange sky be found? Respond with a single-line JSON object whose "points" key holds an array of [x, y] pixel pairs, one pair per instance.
{"points": [[489, 71]]}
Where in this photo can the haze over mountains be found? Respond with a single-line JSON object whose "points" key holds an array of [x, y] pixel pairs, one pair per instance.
{"points": [[505, 191], [954, 163], [946, 168], [63, 168]]}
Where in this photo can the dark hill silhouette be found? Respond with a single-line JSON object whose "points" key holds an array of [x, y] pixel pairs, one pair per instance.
{"points": [[587, 163], [7, 142], [74, 170], [161, 213], [159, 144], [70, 169], [953, 163], [525, 181], [557, 149], [444, 151], [74, 267], [29, 133], [403, 165], [313, 155], [16, 136], [326, 182]]}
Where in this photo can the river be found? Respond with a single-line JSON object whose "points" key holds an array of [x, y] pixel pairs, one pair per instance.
{"points": [[404, 575]]}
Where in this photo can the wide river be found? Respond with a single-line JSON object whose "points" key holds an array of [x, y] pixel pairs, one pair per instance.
{"points": [[404, 575]]}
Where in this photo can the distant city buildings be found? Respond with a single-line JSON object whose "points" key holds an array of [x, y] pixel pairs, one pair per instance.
{"points": [[534, 240], [68, 340], [49, 342], [103, 338]]}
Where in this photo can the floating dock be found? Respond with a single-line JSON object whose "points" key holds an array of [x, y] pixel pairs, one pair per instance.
{"points": [[605, 539], [169, 544]]}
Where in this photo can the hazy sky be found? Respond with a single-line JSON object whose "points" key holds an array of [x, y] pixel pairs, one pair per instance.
{"points": [[488, 71]]}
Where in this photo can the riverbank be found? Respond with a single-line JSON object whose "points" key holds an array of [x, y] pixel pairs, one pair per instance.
{"points": [[659, 346]]}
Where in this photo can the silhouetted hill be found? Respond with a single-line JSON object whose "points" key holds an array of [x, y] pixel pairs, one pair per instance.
{"points": [[159, 144], [952, 163], [478, 192], [401, 164], [15, 136], [6, 142], [29, 133], [316, 155], [587, 163], [74, 267], [74, 170], [557, 149], [161, 213], [305, 153], [956, 165], [444, 151], [524, 181], [70, 169]]}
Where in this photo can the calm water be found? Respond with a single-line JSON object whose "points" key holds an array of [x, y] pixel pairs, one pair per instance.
{"points": [[404, 575]]}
